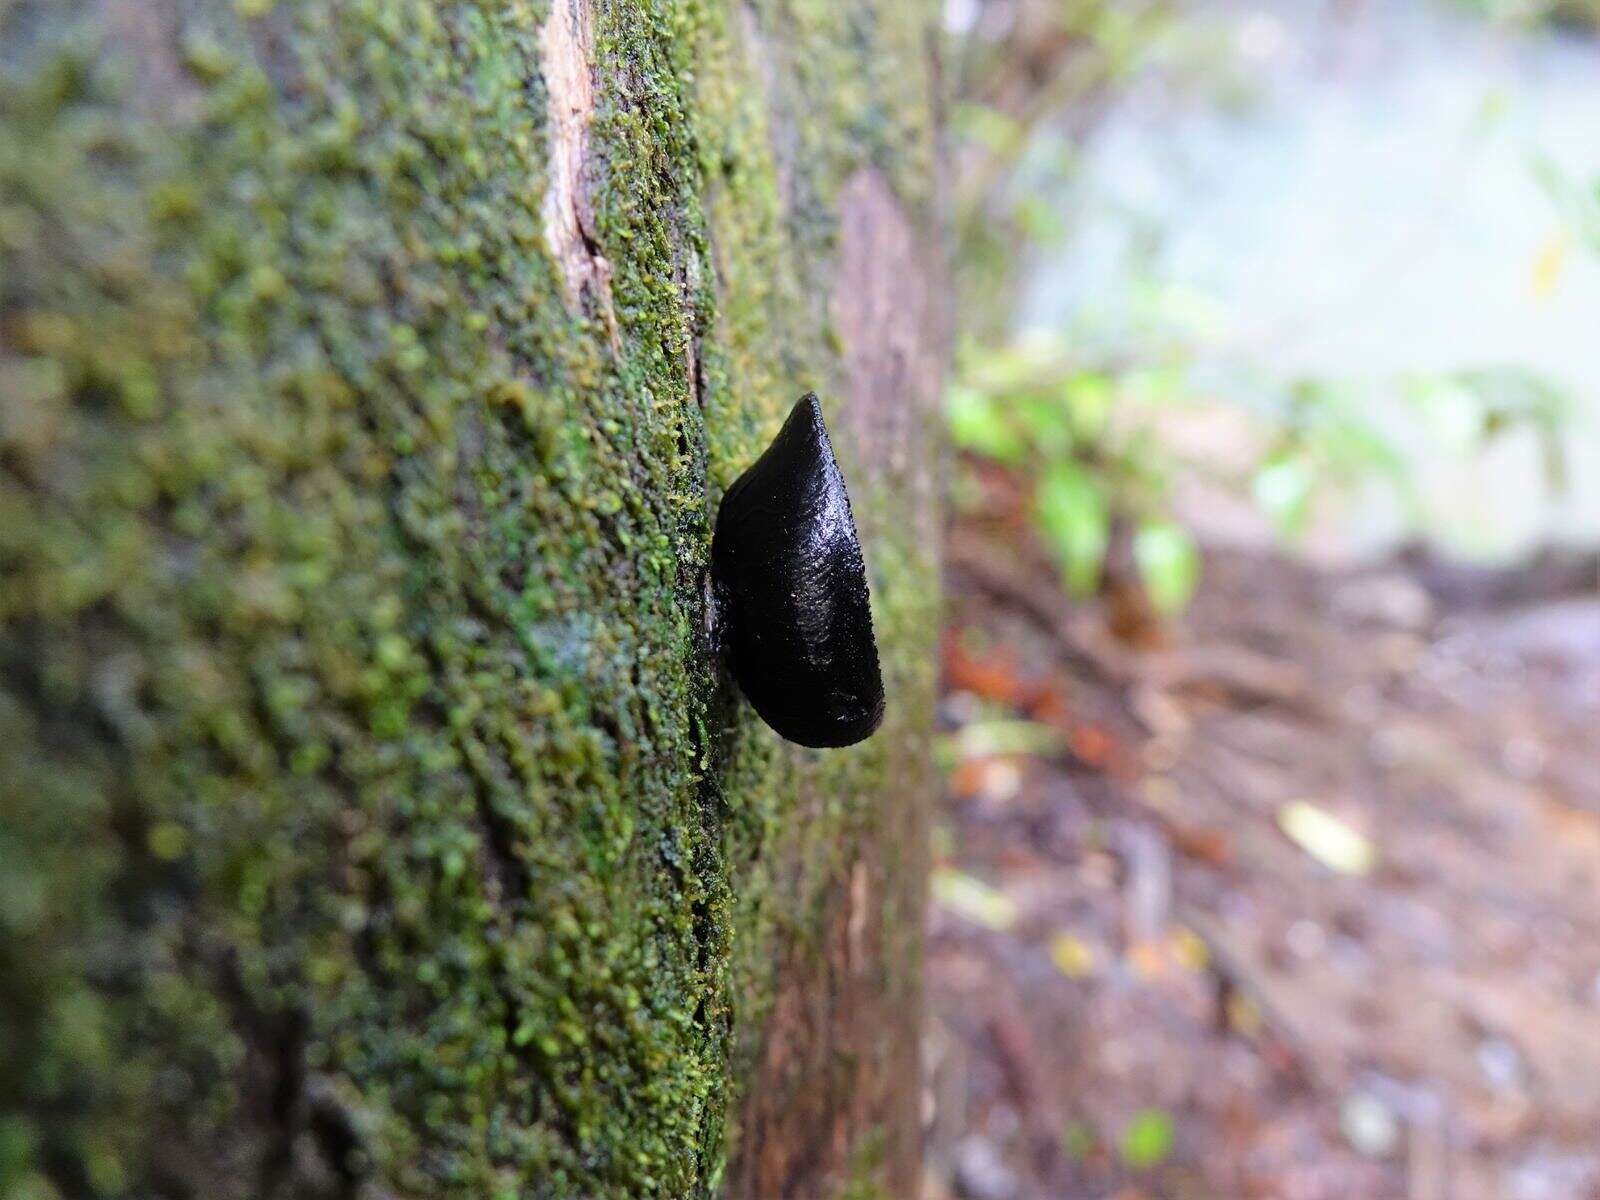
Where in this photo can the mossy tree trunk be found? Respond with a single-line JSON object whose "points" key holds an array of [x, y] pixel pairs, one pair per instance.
{"points": [[372, 819]]}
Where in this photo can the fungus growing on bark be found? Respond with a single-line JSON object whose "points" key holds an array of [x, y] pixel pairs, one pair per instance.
{"points": [[790, 586]]}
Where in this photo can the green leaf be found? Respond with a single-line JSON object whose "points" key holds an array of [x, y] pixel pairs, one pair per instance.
{"points": [[1147, 1140], [1169, 565], [1071, 514], [1088, 397], [1282, 487], [978, 423], [1046, 423]]}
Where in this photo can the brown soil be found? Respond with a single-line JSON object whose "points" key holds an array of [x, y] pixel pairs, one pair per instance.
{"points": [[1155, 943]]}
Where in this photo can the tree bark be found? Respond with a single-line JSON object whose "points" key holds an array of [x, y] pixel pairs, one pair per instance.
{"points": [[374, 819]]}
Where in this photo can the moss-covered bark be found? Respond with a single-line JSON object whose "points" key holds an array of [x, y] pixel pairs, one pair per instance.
{"points": [[372, 820]]}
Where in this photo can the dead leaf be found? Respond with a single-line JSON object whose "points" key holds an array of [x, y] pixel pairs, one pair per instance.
{"points": [[969, 897], [1072, 956], [1333, 843], [1548, 263]]}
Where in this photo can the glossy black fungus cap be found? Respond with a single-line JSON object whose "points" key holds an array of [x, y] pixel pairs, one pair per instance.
{"points": [[792, 591]]}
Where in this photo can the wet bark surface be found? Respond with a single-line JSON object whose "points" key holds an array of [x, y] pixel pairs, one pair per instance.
{"points": [[840, 1050], [377, 820]]}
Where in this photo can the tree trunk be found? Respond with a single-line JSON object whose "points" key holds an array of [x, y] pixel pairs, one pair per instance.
{"points": [[373, 819]]}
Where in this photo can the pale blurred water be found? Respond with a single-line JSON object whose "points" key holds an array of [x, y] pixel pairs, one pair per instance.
{"points": [[1370, 209]]}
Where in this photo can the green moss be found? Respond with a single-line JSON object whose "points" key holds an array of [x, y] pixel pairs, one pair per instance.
{"points": [[367, 810]]}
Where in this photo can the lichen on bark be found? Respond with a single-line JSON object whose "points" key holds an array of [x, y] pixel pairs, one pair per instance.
{"points": [[372, 820]]}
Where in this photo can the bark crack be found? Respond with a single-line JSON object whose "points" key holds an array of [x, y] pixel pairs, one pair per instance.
{"points": [[569, 228]]}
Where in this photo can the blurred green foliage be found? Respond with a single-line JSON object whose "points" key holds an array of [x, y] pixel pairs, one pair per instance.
{"points": [[1147, 1140], [1573, 14], [1023, 406], [1078, 415]]}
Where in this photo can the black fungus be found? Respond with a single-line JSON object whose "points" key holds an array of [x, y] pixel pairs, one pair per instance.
{"points": [[791, 589]]}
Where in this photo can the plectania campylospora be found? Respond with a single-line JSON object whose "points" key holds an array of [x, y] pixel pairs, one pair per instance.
{"points": [[790, 587]]}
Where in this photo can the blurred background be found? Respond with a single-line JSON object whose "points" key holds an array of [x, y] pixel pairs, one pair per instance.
{"points": [[1268, 860]]}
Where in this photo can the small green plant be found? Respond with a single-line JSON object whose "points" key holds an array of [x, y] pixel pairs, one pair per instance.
{"points": [[1087, 443], [1081, 417], [1147, 1140], [1025, 408]]}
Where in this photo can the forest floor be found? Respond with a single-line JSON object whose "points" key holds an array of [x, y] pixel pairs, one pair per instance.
{"points": [[1297, 899]]}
